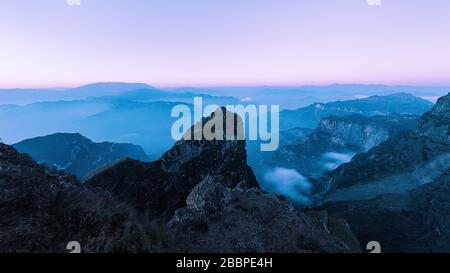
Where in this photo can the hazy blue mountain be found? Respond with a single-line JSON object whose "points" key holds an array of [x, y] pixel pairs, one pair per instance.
{"points": [[310, 116], [147, 124], [76, 154], [149, 95], [28, 96], [45, 118], [138, 116], [293, 97], [294, 136], [106, 91]]}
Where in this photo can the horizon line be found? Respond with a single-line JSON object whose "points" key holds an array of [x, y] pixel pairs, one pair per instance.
{"points": [[201, 86]]}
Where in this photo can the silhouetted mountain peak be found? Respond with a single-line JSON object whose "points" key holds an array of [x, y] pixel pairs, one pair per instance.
{"points": [[162, 186], [77, 154], [218, 151]]}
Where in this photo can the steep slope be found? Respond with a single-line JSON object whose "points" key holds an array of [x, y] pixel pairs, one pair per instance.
{"points": [[76, 154], [220, 218], [183, 202], [397, 193], [414, 221], [42, 210], [161, 187], [337, 139], [424, 151], [310, 116], [204, 188]]}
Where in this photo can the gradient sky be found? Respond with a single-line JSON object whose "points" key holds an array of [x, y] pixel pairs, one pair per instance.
{"points": [[47, 43]]}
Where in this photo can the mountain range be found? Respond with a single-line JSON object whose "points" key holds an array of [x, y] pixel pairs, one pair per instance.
{"points": [[310, 116], [76, 154], [404, 181], [201, 196]]}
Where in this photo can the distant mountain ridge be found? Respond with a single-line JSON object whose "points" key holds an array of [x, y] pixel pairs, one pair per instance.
{"points": [[105, 90], [310, 116], [76, 154]]}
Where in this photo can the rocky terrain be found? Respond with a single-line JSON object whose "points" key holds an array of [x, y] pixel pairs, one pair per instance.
{"points": [[425, 148], [201, 196], [397, 193], [42, 210], [76, 154], [337, 139]]}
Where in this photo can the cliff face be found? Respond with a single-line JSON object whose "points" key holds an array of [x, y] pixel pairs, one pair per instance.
{"points": [[42, 210], [337, 139], [211, 201], [363, 133], [219, 218], [435, 124], [426, 148], [403, 182], [159, 188]]}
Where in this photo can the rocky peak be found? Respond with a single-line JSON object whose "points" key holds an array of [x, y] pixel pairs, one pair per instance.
{"points": [[435, 124], [218, 218], [442, 105], [162, 186], [222, 150]]}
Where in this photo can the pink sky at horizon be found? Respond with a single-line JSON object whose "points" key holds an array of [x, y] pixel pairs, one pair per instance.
{"points": [[200, 43]]}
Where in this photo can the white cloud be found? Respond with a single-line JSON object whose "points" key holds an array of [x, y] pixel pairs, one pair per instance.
{"points": [[334, 160], [246, 99], [290, 183]]}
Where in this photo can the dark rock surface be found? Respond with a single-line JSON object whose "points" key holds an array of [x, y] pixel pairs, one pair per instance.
{"points": [[159, 188], [42, 210], [415, 221], [397, 193], [222, 219]]}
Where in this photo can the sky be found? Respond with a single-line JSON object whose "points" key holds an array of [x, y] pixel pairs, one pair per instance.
{"points": [[199, 43]]}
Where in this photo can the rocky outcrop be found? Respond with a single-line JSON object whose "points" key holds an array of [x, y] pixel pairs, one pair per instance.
{"points": [[158, 188], [360, 133], [337, 139], [218, 218], [199, 197], [76, 154], [425, 147], [397, 193], [413, 221], [42, 210]]}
